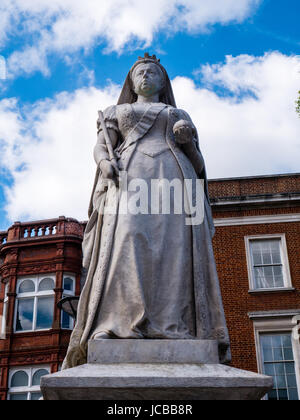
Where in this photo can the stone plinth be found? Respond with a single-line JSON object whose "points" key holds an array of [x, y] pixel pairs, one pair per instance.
{"points": [[154, 370], [153, 351]]}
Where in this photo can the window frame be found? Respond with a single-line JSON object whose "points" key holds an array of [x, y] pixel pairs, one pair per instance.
{"points": [[35, 296], [284, 260], [68, 293], [29, 390], [4, 314], [276, 325]]}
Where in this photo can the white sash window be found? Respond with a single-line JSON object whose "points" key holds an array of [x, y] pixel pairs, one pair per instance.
{"points": [[35, 303]]}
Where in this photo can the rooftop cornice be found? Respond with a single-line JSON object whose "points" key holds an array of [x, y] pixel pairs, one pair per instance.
{"points": [[258, 177]]}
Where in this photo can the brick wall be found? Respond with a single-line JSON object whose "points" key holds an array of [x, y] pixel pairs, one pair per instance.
{"points": [[230, 253], [254, 185]]}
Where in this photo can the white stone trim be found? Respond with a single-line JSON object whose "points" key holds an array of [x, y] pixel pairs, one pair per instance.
{"points": [[257, 220], [4, 314], [288, 313], [256, 200], [279, 324], [285, 262]]}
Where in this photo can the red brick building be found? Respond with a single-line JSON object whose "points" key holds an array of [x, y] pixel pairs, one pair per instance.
{"points": [[257, 246]]}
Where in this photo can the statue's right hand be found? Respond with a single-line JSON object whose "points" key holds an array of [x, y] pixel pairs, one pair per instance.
{"points": [[109, 170]]}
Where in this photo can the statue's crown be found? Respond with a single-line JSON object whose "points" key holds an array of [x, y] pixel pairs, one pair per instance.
{"points": [[148, 57]]}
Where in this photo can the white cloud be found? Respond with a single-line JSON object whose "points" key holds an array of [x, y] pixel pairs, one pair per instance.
{"points": [[53, 146], [244, 134], [239, 135], [2, 68], [69, 25]]}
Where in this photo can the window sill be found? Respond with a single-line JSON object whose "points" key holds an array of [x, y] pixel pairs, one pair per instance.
{"points": [[275, 290], [35, 333]]}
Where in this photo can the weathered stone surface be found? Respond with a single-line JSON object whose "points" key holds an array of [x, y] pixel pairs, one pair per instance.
{"points": [[154, 370], [151, 273], [153, 351], [160, 381]]}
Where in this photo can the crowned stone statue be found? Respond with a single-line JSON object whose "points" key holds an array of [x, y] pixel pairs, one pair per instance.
{"points": [[148, 275]]}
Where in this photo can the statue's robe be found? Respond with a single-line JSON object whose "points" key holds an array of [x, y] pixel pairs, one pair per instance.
{"points": [[148, 276]]}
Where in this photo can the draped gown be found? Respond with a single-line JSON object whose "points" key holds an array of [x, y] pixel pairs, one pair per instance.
{"points": [[148, 275]]}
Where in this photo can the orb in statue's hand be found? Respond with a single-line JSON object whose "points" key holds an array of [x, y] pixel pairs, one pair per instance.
{"points": [[184, 132]]}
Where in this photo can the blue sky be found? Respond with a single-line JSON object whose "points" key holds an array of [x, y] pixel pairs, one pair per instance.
{"points": [[234, 67]]}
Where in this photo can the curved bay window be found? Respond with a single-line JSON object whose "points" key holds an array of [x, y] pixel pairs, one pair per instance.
{"points": [[24, 383], [35, 303]]}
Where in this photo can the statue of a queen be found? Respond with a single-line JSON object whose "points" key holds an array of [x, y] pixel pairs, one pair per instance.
{"points": [[147, 276]]}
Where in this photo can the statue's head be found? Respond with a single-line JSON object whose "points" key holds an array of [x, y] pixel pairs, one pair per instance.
{"points": [[147, 77]]}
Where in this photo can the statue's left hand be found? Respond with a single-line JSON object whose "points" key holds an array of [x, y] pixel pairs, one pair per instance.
{"points": [[184, 132]]}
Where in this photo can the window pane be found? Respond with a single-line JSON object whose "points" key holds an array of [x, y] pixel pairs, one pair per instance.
{"points": [[288, 354], [46, 284], [45, 308], [18, 397], [261, 280], [268, 355], [282, 395], [270, 369], [293, 395], [279, 346], [267, 263], [272, 396], [256, 252], [276, 258], [269, 276], [286, 341], [37, 376], [279, 369], [291, 381], [66, 321], [266, 253], [27, 286], [278, 276], [19, 379], [290, 368], [281, 382], [24, 315], [276, 341], [266, 341], [69, 284], [275, 250], [278, 354], [36, 396]]}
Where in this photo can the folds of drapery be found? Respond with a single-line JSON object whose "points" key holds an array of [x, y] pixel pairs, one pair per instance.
{"points": [[210, 318]]}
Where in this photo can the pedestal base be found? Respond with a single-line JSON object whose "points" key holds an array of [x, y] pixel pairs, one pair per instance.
{"points": [[125, 374]]}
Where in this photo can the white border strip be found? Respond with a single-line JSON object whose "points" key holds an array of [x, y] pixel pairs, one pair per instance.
{"points": [[258, 220]]}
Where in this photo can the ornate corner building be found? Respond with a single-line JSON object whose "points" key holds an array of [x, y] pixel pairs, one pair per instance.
{"points": [[40, 264], [257, 247]]}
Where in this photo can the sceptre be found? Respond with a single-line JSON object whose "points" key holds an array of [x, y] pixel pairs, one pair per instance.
{"points": [[108, 141]]}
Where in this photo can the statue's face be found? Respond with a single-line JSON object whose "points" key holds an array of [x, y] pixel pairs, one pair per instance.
{"points": [[148, 80]]}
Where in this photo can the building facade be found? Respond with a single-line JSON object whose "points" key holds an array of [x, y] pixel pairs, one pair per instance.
{"points": [[40, 264], [257, 247]]}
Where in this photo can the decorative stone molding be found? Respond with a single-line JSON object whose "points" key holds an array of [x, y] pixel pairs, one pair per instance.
{"points": [[257, 220]]}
